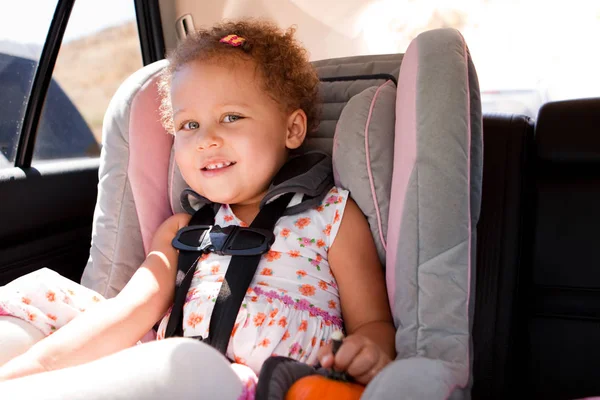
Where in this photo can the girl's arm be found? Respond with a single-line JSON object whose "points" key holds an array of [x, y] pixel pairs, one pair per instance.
{"points": [[114, 324], [370, 344]]}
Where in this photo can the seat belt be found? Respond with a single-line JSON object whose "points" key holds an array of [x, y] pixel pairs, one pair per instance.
{"points": [[246, 245]]}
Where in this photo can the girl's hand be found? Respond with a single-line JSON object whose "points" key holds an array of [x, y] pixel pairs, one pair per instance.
{"points": [[358, 355]]}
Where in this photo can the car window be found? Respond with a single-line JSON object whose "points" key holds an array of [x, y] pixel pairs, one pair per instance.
{"points": [[100, 49], [20, 50]]}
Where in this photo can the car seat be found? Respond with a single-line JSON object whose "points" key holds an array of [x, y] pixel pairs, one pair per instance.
{"points": [[405, 135]]}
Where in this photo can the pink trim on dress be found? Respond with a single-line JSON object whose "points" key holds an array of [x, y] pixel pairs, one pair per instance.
{"points": [[302, 304]]}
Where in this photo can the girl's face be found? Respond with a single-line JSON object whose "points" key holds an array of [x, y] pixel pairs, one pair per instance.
{"points": [[231, 137]]}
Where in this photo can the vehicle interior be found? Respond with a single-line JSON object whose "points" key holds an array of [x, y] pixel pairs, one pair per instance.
{"points": [[535, 327]]}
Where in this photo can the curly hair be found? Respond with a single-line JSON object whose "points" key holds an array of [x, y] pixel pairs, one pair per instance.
{"points": [[287, 75]]}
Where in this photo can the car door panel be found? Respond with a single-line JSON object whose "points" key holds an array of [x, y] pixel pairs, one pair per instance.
{"points": [[46, 213]]}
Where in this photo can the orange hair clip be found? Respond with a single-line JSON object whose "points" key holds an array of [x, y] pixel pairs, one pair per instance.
{"points": [[233, 40]]}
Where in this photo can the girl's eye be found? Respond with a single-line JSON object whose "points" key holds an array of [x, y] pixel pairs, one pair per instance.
{"points": [[231, 118], [190, 125]]}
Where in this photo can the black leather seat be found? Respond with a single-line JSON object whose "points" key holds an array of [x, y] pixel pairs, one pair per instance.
{"points": [[536, 329], [561, 286], [508, 141]]}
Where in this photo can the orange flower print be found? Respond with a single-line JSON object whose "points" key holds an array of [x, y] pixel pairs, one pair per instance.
{"points": [[234, 329], [243, 224], [327, 230], [220, 279], [271, 322], [204, 256], [273, 255], [336, 218], [51, 316], [266, 271], [285, 232], [323, 284], [31, 316], [51, 296], [215, 269], [72, 293], [273, 313], [259, 319], [228, 218], [239, 360], [300, 273], [294, 253], [26, 300], [332, 304], [302, 222], [282, 322], [320, 208], [303, 326], [194, 319], [313, 341], [327, 323], [262, 283], [249, 291], [96, 299], [307, 290], [254, 299], [264, 343], [286, 335], [320, 243]]}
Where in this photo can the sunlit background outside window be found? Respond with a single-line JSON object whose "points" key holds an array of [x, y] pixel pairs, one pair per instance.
{"points": [[526, 52]]}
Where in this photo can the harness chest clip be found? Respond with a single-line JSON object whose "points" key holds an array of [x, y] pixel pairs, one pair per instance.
{"points": [[231, 240]]}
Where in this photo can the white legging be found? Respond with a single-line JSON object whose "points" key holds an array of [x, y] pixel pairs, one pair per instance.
{"points": [[175, 368]]}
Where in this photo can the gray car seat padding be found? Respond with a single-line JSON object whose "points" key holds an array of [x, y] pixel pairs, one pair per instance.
{"points": [[363, 152], [434, 209]]}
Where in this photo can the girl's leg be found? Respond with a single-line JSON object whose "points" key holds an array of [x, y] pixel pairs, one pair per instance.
{"points": [[16, 337], [35, 305], [172, 368]]}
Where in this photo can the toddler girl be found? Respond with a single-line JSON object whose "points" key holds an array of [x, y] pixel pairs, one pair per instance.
{"points": [[238, 98]]}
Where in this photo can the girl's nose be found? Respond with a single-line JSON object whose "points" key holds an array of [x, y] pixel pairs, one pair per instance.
{"points": [[209, 141]]}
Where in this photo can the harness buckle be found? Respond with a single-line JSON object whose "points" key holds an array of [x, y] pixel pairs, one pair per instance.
{"points": [[231, 241]]}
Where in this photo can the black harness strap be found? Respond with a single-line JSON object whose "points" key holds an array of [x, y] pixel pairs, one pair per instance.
{"points": [[186, 265], [238, 277]]}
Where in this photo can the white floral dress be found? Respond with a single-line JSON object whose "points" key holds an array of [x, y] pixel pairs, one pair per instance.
{"points": [[292, 305]]}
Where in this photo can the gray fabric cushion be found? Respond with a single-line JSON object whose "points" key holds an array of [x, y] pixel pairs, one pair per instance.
{"points": [[436, 192], [363, 152]]}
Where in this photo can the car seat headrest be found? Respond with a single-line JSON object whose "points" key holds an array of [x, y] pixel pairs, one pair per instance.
{"points": [[568, 131]]}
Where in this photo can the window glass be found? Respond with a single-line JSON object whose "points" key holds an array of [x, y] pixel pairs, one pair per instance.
{"points": [[20, 50], [100, 49]]}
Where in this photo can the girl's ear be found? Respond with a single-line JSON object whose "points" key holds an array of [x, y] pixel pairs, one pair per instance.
{"points": [[296, 129]]}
